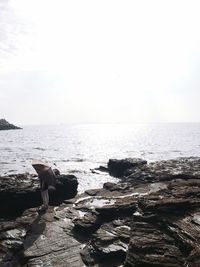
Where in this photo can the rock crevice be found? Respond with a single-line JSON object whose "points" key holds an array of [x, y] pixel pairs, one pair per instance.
{"points": [[150, 218]]}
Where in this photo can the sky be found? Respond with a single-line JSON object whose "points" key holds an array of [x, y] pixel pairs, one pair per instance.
{"points": [[105, 61]]}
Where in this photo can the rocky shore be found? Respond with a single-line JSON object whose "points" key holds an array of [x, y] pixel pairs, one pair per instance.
{"points": [[151, 217], [5, 125]]}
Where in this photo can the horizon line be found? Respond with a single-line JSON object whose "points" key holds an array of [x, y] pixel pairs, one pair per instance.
{"points": [[106, 123]]}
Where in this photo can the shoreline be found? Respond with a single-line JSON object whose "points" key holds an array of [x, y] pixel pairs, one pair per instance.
{"points": [[145, 211]]}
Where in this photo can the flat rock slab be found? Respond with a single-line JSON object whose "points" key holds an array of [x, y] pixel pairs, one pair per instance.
{"points": [[49, 243]]}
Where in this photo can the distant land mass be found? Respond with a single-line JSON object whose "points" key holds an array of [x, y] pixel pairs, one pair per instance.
{"points": [[5, 125]]}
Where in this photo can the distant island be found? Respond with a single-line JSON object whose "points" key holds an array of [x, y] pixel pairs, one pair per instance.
{"points": [[5, 125]]}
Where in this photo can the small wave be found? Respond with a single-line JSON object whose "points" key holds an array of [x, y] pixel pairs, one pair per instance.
{"points": [[12, 171], [77, 171], [39, 148], [78, 160], [7, 149], [73, 160]]}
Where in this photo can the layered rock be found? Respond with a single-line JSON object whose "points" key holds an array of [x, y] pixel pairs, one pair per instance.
{"points": [[150, 218], [22, 191], [5, 125], [165, 229], [166, 232]]}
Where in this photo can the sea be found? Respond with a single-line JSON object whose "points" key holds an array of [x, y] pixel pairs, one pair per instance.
{"points": [[80, 148]]}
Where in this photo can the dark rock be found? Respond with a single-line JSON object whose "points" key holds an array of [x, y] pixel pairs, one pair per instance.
{"points": [[122, 207], [102, 169], [150, 218], [150, 246], [4, 125], [92, 192], [119, 187], [56, 172], [99, 170], [39, 240], [49, 242], [88, 224], [66, 188], [165, 170], [20, 192], [165, 231], [109, 242], [111, 186], [118, 168], [12, 235]]}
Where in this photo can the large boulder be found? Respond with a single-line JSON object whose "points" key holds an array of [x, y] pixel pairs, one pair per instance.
{"points": [[5, 125], [22, 191], [118, 167]]}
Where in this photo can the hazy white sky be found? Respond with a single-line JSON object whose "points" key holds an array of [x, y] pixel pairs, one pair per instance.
{"points": [[99, 61]]}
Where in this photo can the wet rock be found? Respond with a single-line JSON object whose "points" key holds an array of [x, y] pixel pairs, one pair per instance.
{"points": [[102, 169], [99, 170], [107, 227], [117, 167], [20, 192]]}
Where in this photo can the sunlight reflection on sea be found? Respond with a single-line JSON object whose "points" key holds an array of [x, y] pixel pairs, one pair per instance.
{"points": [[79, 148]]}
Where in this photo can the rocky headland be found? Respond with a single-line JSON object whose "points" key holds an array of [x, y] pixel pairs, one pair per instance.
{"points": [[151, 217], [5, 125]]}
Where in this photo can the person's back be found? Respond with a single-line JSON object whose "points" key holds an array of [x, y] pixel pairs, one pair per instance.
{"points": [[47, 182], [47, 179]]}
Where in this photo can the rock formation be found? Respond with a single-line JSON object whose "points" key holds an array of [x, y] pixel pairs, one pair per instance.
{"points": [[22, 191], [151, 217], [5, 125]]}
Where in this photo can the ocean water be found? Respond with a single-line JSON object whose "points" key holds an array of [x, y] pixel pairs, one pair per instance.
{"points": [[77, 149]]}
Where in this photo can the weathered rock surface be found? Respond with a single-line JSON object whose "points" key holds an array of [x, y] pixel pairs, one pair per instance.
{"points": [[5, 125], [49, 242], [12, 235], [165, 233], [181, 168], [39, 240], [150, 218], [22, 191], [165, 229], [119, 167]]}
